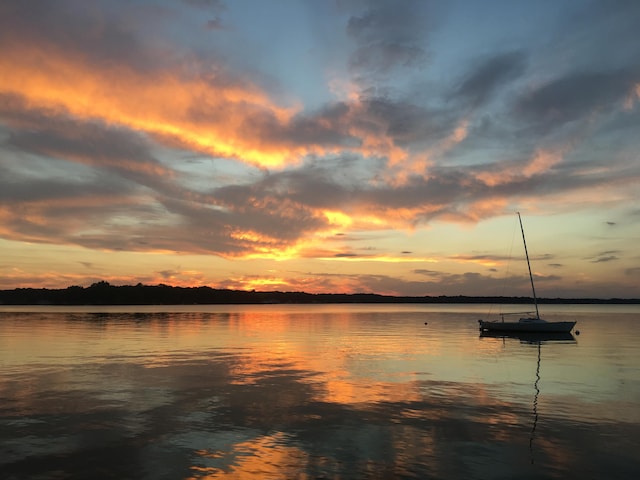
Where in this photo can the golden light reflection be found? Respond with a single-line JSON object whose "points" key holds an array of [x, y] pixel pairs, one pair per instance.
{"points": [[268, 456], [332, 376]]}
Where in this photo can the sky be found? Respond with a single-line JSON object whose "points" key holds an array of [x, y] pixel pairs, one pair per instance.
{"points": [[322, 146]]}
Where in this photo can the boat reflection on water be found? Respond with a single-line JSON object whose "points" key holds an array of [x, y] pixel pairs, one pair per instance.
{"points": [[533, 338]]}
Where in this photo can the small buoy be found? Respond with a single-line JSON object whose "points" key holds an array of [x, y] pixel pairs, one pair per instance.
{"points": [[577, 332]]}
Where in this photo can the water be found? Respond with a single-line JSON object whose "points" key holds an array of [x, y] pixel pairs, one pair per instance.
{"points": [[325, 391]]}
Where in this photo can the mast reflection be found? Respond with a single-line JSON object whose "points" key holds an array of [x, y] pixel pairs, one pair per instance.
{"points": [[538, 339], [535, 405]]}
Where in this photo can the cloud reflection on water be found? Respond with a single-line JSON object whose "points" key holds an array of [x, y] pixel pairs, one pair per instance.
{"points": [[153, 402]]}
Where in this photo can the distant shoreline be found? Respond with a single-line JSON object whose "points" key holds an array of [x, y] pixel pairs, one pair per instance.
{"points": [[102, 293]]}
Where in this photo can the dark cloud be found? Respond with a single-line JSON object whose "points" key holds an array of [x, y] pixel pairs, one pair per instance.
{"points": [[603, 33], [18, 187], [327, 127], [490, 75], [53, 134], [403, 121], [575, 96], [346, 125], [215, 6], [603, 257], [311, 186], [388, 35], [382, 57], [207, 4], [168, 273], [94, 35], [112, 35], [94, 214], [497, 258], [215, 24]]}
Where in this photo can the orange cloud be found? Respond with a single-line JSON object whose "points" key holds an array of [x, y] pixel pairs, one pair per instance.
{"points": [[200, 112], [540, 162], [479, 210], [419, 163], [220, 116]]}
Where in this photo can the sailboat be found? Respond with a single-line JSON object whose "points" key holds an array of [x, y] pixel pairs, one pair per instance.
{"points": [[527, 324]]}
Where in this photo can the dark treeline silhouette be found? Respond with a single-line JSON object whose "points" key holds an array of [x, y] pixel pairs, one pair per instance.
{"points": [[102, 293]]}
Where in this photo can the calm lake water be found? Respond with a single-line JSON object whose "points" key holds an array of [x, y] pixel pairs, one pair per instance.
{"points": [[325, 391]]}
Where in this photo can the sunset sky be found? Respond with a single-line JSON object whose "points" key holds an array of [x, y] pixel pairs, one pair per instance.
{"points": [[321, 146]]}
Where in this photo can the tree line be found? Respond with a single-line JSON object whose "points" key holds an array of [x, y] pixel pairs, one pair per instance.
{"points": [[103, 293]]}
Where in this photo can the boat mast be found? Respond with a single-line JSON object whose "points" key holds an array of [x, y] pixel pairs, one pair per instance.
{"points": [[533, 288]]}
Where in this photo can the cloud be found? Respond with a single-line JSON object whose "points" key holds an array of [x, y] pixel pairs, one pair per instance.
{"points": [[605, 259], [48, 133], [184, 100], [482, 82], [606, 256], [36, 29], [388, 36], [120, 131], [207, 4], [179, 99], [575, 96], [215, 24]]}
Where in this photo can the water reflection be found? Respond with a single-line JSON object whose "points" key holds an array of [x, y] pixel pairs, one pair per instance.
{"points": [[536, 386], [537, 339], [532, 337], [298, 394]]}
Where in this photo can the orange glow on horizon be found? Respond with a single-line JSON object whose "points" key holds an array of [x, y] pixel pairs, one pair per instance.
{"points": [[261, 283]]}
